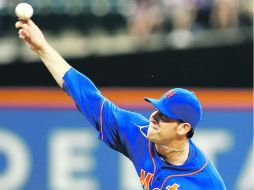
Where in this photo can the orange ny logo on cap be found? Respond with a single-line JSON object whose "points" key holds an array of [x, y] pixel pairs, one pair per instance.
{"points": [[170, 93]]}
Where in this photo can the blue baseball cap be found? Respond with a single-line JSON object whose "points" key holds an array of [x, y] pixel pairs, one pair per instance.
{"points": [[179, 104]]}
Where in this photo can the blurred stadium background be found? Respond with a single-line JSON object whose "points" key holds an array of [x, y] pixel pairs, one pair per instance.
{"points": [[130, 49]]}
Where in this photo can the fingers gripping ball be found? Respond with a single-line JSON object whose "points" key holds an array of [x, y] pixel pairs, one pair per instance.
{"points": [[24, 11]]}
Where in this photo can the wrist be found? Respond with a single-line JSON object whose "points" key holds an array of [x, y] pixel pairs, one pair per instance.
{"points": [[44, 49]]}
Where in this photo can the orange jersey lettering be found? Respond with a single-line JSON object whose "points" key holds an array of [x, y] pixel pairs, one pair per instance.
{"points": [[173, 187], [145, 179]]}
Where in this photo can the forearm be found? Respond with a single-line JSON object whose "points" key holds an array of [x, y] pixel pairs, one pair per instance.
{"points": [[55, 63], [34, 39]]}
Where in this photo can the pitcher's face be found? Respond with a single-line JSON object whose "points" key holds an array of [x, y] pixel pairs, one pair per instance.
{"points": [[162, 129]]}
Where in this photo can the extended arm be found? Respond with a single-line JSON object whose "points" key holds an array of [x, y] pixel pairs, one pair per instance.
{"points": [[116, 126], [34, 39]]}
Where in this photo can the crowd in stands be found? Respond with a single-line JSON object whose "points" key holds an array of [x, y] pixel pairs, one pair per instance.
{"points": [[147, 16]]}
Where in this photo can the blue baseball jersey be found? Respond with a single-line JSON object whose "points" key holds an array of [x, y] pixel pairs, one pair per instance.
{"points": [[120, 130]]}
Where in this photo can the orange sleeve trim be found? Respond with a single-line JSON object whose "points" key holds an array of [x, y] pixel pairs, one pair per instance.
{"points": [[101, 123], [187, 174]]}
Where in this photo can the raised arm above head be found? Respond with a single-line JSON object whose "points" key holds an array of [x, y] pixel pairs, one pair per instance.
{"points": [[33, 37]]}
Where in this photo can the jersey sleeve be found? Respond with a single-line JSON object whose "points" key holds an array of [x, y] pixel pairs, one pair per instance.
{"points": [[112, 123]]}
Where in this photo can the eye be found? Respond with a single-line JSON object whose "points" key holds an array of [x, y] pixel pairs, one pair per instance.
{"points": [[163, 117]]}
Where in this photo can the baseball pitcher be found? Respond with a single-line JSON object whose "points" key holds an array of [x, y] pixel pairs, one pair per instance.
{"points": [[161, 149]]}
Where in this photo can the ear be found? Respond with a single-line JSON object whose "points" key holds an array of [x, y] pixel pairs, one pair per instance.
{"points": [[183, 128]]}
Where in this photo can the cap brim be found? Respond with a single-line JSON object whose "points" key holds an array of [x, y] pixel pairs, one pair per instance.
{"points": [[157, 104]]}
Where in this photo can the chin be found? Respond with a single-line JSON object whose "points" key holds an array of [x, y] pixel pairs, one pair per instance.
{"points": [[151, 137], [152, 134]]}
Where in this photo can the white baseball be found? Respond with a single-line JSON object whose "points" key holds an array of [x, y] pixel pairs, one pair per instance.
{"points": [[24, 11]]}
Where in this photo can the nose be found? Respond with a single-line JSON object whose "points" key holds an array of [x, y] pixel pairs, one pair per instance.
{"points": [[154, 117]]}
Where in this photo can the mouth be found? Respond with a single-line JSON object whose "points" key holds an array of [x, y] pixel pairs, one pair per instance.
{"points": [[154, 127]]}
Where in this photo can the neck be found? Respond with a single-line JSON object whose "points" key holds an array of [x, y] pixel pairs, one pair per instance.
{"points": [[175, 153]]}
